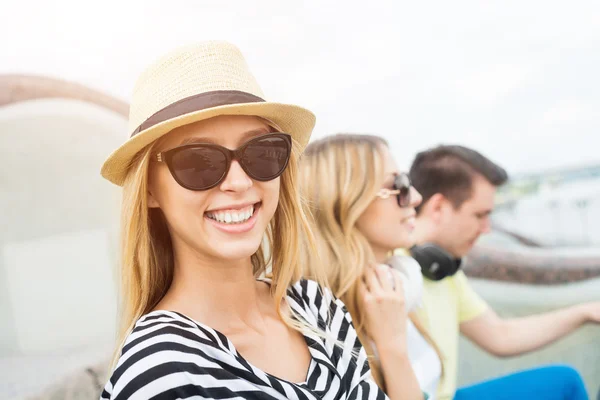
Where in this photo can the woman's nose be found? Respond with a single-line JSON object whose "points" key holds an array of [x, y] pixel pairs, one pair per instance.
{"points": [[236, 180]]}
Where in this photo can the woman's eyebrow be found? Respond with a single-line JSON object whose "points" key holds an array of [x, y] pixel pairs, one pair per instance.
{"points": [[247, 135]]}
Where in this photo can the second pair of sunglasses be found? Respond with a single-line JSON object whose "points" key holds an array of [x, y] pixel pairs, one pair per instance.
{"points": [[400, 188], [202, 166]]}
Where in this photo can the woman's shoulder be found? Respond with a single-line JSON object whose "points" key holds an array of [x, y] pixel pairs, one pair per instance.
{"points": [[161, 346], [311, 293], [168, 327], [319, 301]]}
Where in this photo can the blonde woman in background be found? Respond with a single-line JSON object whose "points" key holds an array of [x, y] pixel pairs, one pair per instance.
{"points": [[209, 170], [362, 209]]}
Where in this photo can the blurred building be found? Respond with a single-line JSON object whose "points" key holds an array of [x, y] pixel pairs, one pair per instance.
{"points": [[59, 227]]}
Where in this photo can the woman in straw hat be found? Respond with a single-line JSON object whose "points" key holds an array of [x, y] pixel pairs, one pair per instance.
{"points": [[363, 208], [208, 173]]}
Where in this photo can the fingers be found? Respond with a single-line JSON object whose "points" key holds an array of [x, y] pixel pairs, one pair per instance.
{"points": [[384, 275], [372, 280], [398, 284], [380, 279], [385, 319]]}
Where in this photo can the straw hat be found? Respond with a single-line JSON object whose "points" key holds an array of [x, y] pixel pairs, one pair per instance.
{"points": [[192, 84]]}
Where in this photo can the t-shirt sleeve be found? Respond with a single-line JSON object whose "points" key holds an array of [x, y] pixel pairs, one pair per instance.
{"points": [[470, 304]]}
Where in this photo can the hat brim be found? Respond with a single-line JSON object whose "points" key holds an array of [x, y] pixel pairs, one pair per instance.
{"points": [[296, 121]]}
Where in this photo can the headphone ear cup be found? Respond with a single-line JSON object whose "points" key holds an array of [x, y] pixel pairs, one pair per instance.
{"points": [[457, 264], [436, 263]]}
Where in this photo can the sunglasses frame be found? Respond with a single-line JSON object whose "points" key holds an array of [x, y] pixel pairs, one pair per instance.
{"points": [[230, 155], [401, 182]]}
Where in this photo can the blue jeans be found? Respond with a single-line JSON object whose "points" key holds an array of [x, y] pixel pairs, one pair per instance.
{"points": [[557, 382]]}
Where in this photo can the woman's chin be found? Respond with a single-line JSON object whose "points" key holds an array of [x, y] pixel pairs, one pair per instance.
{"points": [[238, 250], [404, 241]]}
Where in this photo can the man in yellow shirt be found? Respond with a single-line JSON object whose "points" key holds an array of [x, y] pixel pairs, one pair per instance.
{"points": [[458, 186]]}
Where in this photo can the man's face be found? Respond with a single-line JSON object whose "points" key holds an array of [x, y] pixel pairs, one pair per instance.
{"points": [[459, 228]]}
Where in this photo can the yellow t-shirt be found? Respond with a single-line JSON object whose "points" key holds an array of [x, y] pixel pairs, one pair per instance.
{"points": [[446, 304]]}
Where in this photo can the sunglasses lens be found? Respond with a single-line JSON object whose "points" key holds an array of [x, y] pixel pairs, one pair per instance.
{"points": [[266, 158], [402, 183], [198, 168], [202, 167]]}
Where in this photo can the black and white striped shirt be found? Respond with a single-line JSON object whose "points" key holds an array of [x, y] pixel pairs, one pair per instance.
{"points": [[170, 356]]}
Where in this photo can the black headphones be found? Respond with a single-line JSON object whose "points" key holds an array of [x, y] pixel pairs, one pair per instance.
{"points": [[436, 263]]}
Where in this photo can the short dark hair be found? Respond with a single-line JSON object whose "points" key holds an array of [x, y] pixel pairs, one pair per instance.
{"points": [[449, 170]]}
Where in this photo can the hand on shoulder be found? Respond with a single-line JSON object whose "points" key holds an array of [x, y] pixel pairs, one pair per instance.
{"points": [[382, 293]]}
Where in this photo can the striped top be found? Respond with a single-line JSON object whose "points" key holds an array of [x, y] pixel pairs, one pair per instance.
{"points": [[171, 356]]}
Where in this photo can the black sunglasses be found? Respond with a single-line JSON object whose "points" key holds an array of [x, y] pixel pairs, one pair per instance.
{"points": [[202, 166], [400, 188]]}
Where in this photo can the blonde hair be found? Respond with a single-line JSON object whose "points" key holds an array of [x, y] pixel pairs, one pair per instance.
{"points": [[340, 176], [147, 261]]}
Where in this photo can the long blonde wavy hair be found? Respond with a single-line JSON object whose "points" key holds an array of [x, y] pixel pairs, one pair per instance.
{"points": [[147, 262], [340, 176]]}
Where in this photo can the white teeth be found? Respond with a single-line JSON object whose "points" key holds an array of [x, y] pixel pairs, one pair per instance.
{"points": [[232, 216]]}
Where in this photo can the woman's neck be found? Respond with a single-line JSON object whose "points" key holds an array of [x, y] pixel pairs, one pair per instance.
{"points": [[381, 255], [223, 294]]}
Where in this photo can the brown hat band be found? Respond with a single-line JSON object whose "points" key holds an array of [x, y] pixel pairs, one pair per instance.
{"points": [[197, 102]]}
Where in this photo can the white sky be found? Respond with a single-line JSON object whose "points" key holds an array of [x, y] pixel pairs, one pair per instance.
{"points": [[514, 78]]}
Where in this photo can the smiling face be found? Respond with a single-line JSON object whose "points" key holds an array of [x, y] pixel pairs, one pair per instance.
{"points": [[228, 221], [384, 224]]}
